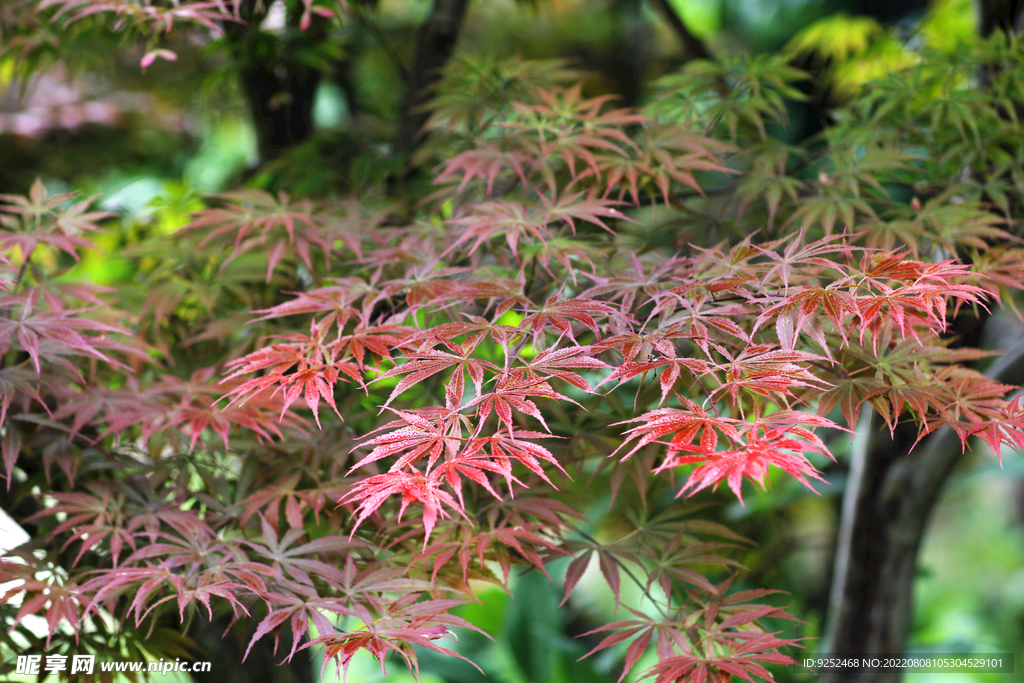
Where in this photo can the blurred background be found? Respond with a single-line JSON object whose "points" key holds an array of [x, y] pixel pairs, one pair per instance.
{"points": [[152, 141]]}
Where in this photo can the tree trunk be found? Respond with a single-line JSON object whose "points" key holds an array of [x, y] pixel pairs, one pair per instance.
{"points": [[434, 45], [279, 88], [1004, 15], [888, 503], [281, 99]]}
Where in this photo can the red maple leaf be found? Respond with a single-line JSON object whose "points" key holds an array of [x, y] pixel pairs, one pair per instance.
{"points": [[512, 392], [428, 361], [502, 446], [414, 436], [751, 460], [371, 493], [317, 368], [561, 314]]}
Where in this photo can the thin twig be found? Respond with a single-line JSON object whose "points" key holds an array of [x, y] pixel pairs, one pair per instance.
{"points": [[662, 608], [384, 43]]}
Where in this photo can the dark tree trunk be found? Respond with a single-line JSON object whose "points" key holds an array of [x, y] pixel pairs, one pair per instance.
{"points": [[435, 43], [888, 503], [1004, 15], [279, 88], [281, 99]]}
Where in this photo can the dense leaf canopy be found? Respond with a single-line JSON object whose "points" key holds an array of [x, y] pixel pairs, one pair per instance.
{"points": [[336, 415]]}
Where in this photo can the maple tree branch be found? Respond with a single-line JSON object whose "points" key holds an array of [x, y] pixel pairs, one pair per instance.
{"points": [[384, 43], [695, 48], [435, 43], [23, 269], [515, 354]]}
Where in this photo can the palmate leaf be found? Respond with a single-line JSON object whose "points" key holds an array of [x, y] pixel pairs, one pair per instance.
{"points": [[307, 367], [513, 220], [295, 501], [421, 284], [922, 303], [610, 557], [476, 467], [428, 361], [369, 341], [464, 543], [559, 363], [298, 613], [687, 425], [829, 208], [368, 585], [632, 344], [58, 603], [561, 315], [522, 220], [65, 329], [796, 254], [339, 300], [971, 404], [301, 562], [569, 252], [92, 517], [578, 206], [508, 293], [427, 490], [408, 623], [513, 392], [693, 647], [774, 447], [475, 326], [746, 660], [572, 130], [672, 369], [669, 637], [153, 580], [505, 446], [671, 564], [40, 218], [414, 436], [255, 415], [250, 216], [18, 381], [666, 154], [1002, 424], [849, 394], [626, 287], [486, 162], [802, 310], [703, 320], [763, 370]]}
